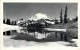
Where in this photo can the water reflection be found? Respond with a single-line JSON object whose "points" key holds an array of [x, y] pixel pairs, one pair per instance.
{"points": [[24, 34], [7, 33], [37, 35]]}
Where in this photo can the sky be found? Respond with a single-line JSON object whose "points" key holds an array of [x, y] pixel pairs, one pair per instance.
{"points": [[16, 11]]}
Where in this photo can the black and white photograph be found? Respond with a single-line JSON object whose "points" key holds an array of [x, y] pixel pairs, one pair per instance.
{"points": [[40, 24]]}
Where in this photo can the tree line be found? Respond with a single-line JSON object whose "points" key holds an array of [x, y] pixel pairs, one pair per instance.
{"points": [[9, 22]]}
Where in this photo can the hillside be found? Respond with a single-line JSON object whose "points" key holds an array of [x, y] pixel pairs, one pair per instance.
{"points": [[70, 25], [72, 28]]}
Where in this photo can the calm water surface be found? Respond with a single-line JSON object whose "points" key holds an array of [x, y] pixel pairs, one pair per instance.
{"points": [[38, 36]]}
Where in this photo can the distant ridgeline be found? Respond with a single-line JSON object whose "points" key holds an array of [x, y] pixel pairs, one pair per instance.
{"points": [[43, 22]]}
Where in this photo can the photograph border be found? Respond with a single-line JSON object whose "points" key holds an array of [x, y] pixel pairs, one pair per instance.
{"points": [[35, 47]]}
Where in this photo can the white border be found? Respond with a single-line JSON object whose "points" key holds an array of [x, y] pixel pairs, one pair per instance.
{"points": [[38, 47]]}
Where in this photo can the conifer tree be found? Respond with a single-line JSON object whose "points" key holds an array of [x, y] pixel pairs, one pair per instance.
{"points": [[8, 21], [61, 19], [4, 21], [65, 15]]}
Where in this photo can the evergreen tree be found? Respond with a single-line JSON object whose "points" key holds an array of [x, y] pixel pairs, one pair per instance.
{"points": [[4, 21], [76, 19], [8, 21], [56, 21], [65, 15], [14, 22], [61, 20]]}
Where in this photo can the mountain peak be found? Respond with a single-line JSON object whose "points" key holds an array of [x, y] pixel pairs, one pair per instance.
{"points": [[39, 16]]}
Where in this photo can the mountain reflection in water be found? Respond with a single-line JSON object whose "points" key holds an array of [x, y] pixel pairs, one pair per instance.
{"points": [[23, 34], [37, 35]]}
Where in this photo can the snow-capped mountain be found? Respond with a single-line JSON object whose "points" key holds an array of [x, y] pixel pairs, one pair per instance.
{"points": [[39, 16]]}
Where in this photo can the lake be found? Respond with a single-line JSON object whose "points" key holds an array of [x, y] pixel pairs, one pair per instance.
{"points": [[38, 36], [16, 36]]}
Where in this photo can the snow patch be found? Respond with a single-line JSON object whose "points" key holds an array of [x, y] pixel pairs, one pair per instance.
{"points": [[10, 27], [51, 29], [8, 42]]}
